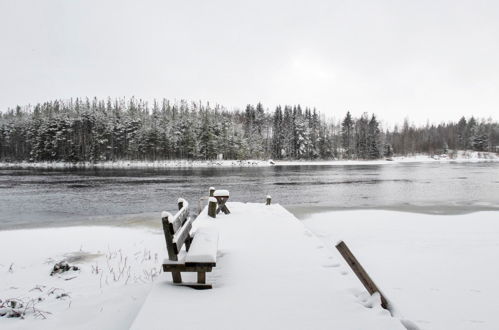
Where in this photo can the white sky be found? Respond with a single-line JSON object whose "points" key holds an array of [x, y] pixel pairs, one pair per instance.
{"points": [[435, 60]]}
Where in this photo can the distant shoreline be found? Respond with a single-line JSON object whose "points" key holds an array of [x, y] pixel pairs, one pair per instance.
{"points": [[462, 156]]}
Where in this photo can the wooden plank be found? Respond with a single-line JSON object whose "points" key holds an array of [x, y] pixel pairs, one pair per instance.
{"points": [[169, 240], [181, 236], [225, 209], [178, 220], [185, 268], [200, 264], [360, 272], [221, 204]]}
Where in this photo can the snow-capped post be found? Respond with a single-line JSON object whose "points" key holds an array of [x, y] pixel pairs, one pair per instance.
{"points": [[212, 191], [180, 203], [269, 199], [212, 207], [360, 272]]}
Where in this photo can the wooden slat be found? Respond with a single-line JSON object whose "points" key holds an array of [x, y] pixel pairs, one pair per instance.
{"points": [[200, 264], [181, 236], [178, 220], [169, 240], [360, 272], [185, 268], [221, 204]]}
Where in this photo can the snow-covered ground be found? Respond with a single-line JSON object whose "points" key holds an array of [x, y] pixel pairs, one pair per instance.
{"points": [[271, 273], [117, 268], [439, 271], [461, 156], [142, 164]]}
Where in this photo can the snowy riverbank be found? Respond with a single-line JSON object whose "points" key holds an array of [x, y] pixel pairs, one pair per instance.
{"points": [[269, 264], [438, 271], [116, 269], [461, 156]]}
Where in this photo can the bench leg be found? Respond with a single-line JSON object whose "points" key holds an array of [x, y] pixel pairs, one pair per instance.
{"points": [[202, 277], [177, 278]]}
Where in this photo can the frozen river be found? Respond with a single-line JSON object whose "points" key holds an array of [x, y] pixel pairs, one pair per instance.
{"points": [[39, 197]]}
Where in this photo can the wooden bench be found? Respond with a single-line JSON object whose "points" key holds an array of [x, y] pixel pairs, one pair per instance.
{"points": [[200, 253]]}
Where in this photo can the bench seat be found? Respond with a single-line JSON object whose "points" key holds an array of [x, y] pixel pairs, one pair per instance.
{"points": [[203, 249]]}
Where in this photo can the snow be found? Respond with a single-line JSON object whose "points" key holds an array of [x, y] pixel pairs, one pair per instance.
{"points": [[460, 156], [167, 215], [204, 246], [439, 271], [141, 164], [180, 259], [117, 267], [271, 273], [221, 193], [212, 199]]}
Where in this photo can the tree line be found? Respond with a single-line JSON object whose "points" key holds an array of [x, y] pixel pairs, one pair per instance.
{"points": [[91, 130]]}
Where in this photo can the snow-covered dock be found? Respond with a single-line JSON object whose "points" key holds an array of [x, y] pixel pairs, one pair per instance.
{"points": [[271, 273]]}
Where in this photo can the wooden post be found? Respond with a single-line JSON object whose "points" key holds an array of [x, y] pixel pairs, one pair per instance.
{"points": [[212, 207], [212, 191], [202, 277], [360, 272], [177, 277], [180, 204], [269, 199]]}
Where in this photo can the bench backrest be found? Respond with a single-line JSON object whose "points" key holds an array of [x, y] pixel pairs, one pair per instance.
{"points": [[177, 229]]}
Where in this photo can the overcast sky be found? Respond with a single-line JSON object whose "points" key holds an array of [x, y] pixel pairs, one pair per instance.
{"points": [[435, 60]]}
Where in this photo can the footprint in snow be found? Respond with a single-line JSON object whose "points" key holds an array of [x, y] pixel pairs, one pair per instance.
{"points": [[221, 254], [475, 321], [331, 265], [343, 272]]}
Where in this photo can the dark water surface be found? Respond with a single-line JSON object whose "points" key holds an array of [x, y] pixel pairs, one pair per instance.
{"points": [[40, 197]]}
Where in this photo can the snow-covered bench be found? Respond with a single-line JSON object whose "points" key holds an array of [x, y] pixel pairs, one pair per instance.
{"points": [[200, 253]]}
